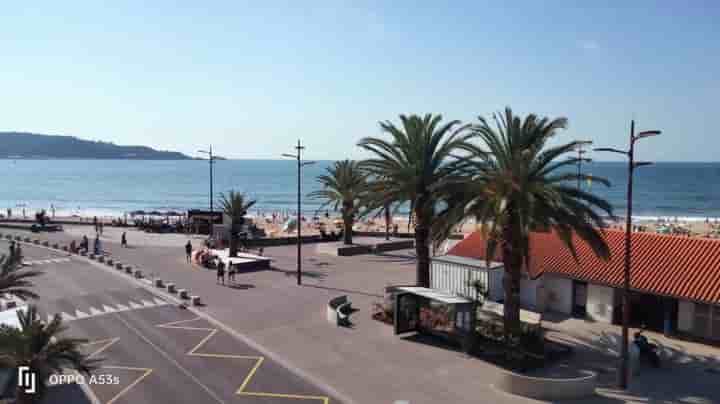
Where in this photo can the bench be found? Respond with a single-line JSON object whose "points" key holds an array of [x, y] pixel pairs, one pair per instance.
{"points": [[339, 310]]}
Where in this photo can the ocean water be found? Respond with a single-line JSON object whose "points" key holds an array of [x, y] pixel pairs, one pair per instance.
{"points": [[689, 191]]}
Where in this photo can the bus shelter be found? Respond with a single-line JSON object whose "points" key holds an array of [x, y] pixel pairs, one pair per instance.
{"points": [[432, 312]]}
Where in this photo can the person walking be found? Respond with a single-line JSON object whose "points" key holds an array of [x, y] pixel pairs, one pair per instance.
{"points": [[188, 251], [231, 273], [12, 249], [123, 240], [95, 223], [100, 227], [18, 254], [85, 244], [220, 272], [96, 246]]}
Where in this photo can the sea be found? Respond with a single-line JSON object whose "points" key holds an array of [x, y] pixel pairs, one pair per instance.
{"points": [[687, 191]]}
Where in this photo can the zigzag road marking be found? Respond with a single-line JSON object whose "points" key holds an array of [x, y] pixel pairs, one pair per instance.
{"points": [[45, 261], [105, 344], [258, 362]]}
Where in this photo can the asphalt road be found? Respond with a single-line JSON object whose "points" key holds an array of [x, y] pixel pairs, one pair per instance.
{"points": [[154, 351]]}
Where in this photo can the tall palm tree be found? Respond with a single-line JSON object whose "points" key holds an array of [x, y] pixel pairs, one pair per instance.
{"points": [[41, 348], [236, 206], [344, 186], [519, 184], [14, 279], [413, 167]]}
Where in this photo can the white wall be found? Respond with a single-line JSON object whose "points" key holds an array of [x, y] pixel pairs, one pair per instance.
{"points": [[686, 312], [600, 303], [557, 294]]}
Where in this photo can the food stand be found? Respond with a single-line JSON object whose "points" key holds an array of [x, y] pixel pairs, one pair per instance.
{"points": [[432, 312]]}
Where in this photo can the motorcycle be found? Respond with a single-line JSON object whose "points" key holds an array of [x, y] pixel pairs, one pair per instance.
{"points": [[648, 351]]}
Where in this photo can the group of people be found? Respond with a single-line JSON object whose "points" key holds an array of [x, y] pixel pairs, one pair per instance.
{"points": [[16, 251], [231, 272]]}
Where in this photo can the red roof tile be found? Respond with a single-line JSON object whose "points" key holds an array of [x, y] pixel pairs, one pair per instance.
{"points": [[683, 267]]}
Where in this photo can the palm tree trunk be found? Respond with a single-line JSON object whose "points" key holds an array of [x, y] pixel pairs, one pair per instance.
{"points": [[422, 234], [347, 216], [512, 262], [386, 210], [233, 241]]}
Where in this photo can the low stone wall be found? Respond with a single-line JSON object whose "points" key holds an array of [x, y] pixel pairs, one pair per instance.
{"points": [[541, 388]]}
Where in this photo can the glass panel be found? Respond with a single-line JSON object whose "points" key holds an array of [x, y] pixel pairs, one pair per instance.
{"points": [[702, 310]]}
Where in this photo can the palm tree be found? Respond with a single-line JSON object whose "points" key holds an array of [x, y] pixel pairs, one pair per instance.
{"points": [[520, 184], [14, 279], [344, 186], [414, 166], [42, 349], [236, 206]]}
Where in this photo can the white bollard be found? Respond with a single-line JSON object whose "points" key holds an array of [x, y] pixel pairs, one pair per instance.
{"points": [[195, 300], [170, 287], [158, 283], [183, 293], [138, 273]]}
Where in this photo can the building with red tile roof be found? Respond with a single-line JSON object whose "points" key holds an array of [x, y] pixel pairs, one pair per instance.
{"points": [[675, 279]]}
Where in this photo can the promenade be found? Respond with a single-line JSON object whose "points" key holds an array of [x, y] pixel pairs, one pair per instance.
{"points": [[367, 363]]}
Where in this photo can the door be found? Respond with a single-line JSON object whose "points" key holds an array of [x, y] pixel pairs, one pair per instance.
{"points": [[579, 298]]}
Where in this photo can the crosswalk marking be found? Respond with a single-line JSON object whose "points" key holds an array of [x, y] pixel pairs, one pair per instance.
{"points": [[109, 308], [66, 317], [45, 261]]}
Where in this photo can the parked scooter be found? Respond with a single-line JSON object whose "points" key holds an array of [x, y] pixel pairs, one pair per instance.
{"points": [[648, 351]]}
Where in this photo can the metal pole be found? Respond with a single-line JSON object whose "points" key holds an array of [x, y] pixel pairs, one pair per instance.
{"points": [[299, 221], [626, 281], [212, 217], [579, 166]]}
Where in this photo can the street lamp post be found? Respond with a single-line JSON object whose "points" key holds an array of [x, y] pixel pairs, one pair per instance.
{"points": [[632, 165], [211, 161], [580, 159], [300, 164]]}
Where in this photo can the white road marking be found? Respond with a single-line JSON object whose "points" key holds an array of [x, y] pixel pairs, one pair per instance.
{"points": [[135, 305], [122, 307], [95, 312], [160, 302], [147, 303], [108, 309], [66, 317], [80, 314]]}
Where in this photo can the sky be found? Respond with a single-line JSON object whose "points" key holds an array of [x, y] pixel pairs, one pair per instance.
{"points": [[251, 78]]}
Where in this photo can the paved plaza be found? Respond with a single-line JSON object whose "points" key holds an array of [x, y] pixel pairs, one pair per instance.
{"points": [[367, 363]]}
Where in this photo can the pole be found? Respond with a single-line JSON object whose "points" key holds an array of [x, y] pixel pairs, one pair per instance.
{"points": [[212, 217], [579, 166], [299, 221], [626, 276]]}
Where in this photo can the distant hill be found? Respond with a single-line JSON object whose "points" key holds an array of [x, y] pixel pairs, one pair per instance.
{"points": [[19, 145]]}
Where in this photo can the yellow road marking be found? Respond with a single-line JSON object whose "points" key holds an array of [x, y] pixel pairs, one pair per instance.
{"points": [[258, 362], [146, 373], [105, 344]]}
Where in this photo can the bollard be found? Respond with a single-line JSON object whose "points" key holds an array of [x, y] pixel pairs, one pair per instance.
{"points": [[183, 293], [101, 258], [128, 269], [27, 239], [171, 288], [195, 300], [158, 283], [8, 236], [138, 273], [91, 256], [56, 246], [46, 243], [18, 238], [36, 241], [119, 265], [83, 253], [109, 261], [65, 248]]}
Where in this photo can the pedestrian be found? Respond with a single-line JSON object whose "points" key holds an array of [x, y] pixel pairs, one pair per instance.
{"points": [[231, 272], [18, 254], [220, 272], [97, 245], [52, 208], [261, 250], [123, 240], [188, 251], [95, 223], [73, 247], [85, 244], [12, 249], [100, 227]]}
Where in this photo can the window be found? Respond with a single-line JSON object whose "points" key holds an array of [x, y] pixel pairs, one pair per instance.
{"points": [[707, 321]]}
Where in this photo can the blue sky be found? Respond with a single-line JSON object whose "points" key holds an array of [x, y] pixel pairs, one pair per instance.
{"points": [[252, 77]]}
